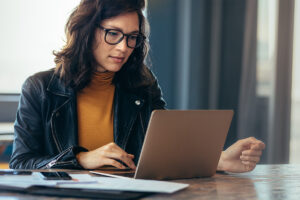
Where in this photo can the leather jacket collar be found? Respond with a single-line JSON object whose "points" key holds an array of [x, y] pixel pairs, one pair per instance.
{"points": [[56, 87]]}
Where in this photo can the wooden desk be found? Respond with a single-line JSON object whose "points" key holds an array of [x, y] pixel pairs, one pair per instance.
{"points": [[265, 182]]}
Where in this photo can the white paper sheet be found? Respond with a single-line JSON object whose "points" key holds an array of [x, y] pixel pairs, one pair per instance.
{"points": [[25, 181], [137, 185], [85, 181], [110, 175]]}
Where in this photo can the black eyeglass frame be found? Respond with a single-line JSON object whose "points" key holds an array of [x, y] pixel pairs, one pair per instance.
{"points": [[143, 38]]}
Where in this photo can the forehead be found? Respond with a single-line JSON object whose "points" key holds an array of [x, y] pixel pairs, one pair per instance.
{"points": [[127, 22]]}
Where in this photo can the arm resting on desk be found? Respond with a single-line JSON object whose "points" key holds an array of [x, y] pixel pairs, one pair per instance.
{"points": [[33, 146], [66, 160], [242, 156]]}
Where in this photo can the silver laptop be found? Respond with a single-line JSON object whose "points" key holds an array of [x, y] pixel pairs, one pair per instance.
{"points": [[181, 144]]}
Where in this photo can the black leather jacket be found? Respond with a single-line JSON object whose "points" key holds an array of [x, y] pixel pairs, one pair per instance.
{"points": [[46, 123]]}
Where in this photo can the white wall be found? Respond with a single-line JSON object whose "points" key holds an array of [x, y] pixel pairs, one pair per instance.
{"points": [[29, 31], [296, 57], [295, 114]]}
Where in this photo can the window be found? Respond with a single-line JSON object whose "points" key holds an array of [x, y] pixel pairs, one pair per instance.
{"points": [[30, 31], [266, 46], [295, 118]]}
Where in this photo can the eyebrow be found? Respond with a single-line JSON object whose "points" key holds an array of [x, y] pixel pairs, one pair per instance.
{"points": [[116, 28]]}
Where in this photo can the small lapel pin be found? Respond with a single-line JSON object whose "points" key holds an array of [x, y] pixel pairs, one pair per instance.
{"points": [[137, 102]]}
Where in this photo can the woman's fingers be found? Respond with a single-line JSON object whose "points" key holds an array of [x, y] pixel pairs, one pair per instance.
{"points": [[113, 151], [249, 161], [249, 166], [109, 154], [251, 152], [131, 155], [124, 157], [250, 158], [258, 145], [113, 162], [252, 143]]}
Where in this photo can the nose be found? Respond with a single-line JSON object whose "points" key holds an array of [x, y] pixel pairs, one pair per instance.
{"points": [[122, 46]]}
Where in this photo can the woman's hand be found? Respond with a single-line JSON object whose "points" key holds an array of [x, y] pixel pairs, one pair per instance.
{"points": [[105, 155], [242, 156]]}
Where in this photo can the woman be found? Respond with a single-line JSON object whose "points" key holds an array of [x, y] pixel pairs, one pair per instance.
{"points": [[93, 109]]}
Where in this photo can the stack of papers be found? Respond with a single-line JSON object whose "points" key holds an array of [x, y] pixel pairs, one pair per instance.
{"points": [[24, 181], [86, 181], [136, 185]]}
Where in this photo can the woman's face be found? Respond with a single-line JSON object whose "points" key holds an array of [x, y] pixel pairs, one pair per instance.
{"points": [[112, 57]]}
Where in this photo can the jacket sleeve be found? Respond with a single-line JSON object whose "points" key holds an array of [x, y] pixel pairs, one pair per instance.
{"points": [[28, 150]]}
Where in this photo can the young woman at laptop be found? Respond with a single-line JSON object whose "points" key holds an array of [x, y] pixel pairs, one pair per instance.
{"points": [[93, 108]]}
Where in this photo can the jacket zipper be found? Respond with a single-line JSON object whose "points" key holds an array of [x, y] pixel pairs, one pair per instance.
{"points": [[64, 162], [54, 162], [54, 135], [142, 123], [125, 141], [50, 164]]}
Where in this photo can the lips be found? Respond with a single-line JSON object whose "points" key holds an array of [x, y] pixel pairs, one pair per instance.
{"points": [[117, 59]]}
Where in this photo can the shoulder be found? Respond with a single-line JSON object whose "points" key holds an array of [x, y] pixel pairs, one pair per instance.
{"points": [[154, 88], [38, 81], [43, 76]]}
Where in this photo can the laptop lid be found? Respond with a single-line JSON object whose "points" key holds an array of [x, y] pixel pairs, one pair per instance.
{"points": [[183, 143]]}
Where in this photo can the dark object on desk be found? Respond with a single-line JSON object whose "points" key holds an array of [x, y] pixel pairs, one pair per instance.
{"points": [[221, 172], [56, 176], [77, 193], [14, 172], [114, 169]]}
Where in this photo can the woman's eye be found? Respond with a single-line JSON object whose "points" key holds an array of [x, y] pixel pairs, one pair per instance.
{"points": [[133, 37], [113, 33]]}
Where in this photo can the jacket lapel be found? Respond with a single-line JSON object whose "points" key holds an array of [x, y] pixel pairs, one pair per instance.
{"points": [[63, 117], [126, 109]]}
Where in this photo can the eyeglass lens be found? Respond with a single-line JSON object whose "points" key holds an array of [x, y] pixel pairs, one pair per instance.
{"points": [[115, 37]]}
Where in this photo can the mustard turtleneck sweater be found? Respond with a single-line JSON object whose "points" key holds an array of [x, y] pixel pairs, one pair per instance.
{"points": [[95, 111]]}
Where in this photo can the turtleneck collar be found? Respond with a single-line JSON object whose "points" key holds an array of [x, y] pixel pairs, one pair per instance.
{"points": [[102, 79]]}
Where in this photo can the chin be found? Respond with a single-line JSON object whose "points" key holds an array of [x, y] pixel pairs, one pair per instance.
{"points": [[114, 68]]}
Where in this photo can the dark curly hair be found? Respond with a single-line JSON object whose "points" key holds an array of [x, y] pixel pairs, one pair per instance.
{"points": [[74, 62]]}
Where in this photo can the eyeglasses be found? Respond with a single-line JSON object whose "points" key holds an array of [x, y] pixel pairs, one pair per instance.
{"points": [[113, 37]]}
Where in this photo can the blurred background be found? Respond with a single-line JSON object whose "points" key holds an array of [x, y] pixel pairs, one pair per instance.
{"points": [[207, 54]]}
